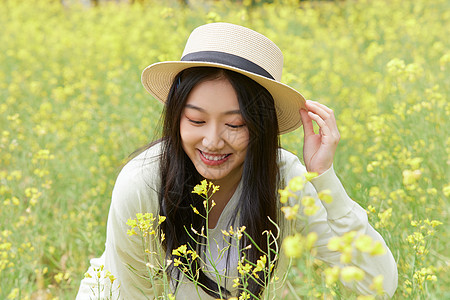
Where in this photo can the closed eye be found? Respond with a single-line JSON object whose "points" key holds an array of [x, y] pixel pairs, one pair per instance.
{"points": [[195, 122], [235, 126]]}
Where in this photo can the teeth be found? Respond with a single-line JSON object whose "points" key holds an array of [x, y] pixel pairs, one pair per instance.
{"points": [[214, 157]]}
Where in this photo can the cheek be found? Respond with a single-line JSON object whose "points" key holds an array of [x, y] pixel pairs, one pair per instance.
{"points": [[184, 131], [239, 140], [189, 135]]}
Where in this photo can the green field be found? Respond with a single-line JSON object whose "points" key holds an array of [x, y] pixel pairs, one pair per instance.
{"points": [[72, 109]]}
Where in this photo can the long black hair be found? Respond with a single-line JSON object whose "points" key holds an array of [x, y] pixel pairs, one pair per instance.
{"points": [[260, 175]]}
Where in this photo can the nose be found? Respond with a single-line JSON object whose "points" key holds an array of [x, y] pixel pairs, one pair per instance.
{"points": [[212, 139]]}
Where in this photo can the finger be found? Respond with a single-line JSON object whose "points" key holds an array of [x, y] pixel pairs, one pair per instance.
{"points": [[322, 124], [326, 113], [317, 109], [308, 128], [331, 134], [324, 107]]}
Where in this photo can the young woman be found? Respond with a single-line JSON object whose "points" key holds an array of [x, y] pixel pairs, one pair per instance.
{"points": [[225, 108]]}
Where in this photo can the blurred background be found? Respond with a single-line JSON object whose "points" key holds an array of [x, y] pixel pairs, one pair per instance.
{"points": [[72, 110]]}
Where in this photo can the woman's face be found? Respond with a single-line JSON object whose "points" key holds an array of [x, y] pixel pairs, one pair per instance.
{"points": [[213, 132]]}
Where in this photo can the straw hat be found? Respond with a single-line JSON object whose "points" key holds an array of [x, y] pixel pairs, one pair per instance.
{"points": [[235, 48]]}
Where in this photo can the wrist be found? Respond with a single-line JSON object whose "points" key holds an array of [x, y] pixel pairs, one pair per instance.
{"points": [[320, 170]]}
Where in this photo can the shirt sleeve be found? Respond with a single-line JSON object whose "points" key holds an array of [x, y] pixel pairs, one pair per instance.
{"points": [[124, 256], [340, 216]]}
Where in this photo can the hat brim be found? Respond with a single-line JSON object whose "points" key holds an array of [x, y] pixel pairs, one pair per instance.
{"points": [[158, 78]]}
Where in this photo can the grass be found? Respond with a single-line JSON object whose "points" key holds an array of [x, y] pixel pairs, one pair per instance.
{"points": [[72, 109]]}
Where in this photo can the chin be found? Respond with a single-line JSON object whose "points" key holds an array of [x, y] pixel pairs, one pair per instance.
{"points": [[212, 175]]}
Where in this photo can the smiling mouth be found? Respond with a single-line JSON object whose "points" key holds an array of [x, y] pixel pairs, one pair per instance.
{"points": [[213, 159]]}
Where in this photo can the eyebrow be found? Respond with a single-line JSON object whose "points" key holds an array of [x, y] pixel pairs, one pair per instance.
{"points": [[230, 112]]}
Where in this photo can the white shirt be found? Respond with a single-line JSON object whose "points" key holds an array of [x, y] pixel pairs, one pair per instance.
{"points": [[136, 191]]}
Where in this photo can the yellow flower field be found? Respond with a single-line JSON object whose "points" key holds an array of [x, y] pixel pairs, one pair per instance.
{"points": [[72, 109]]}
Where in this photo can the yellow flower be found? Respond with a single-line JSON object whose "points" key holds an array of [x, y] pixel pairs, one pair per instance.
{"points": [[285, 194], [311, 210], [334, 244], [435, 223], [415, 223], [244, 296], [194, 254], [310, 175], [311, 239], [177, 262], [310, 207], [132, 223], [348, 237], [346, 256], [180, 251], [384, 218], [13, 294], [161, 219], [260, 264], [377, 285], [446, 190], [290, 212], [331, 275], [215, 188], [293, 246], [396, 66], [308, 201], [325, 196], [201, 189], [296, 184], [131, 232], [236, 283], [410, 177], [110, 276], [244, 269], [364, 243], [377, 249], [352, 273], [240, 232], [231, 231]]}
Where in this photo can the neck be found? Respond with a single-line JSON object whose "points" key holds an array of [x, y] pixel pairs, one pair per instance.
{"points": [[221, 198]]}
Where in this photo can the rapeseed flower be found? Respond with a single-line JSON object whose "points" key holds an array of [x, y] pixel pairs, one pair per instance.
{"points": [[57, 109], [352, 273]]}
